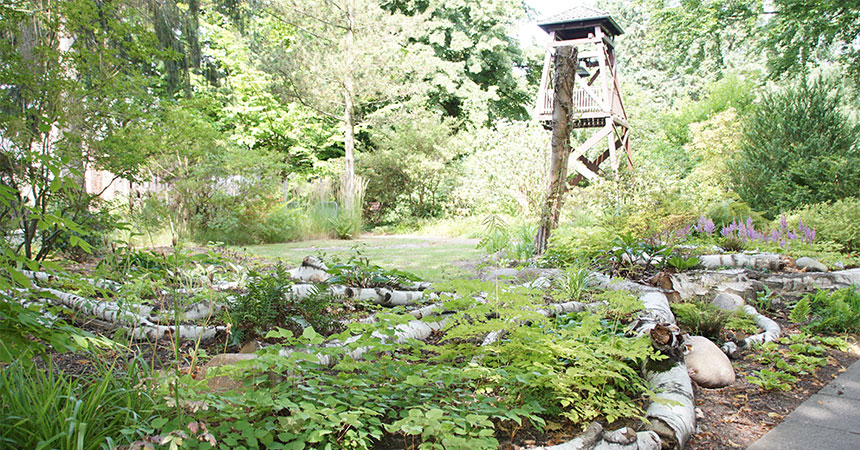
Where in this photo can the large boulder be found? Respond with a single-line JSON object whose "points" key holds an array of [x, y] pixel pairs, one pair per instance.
{"points": [[728, 301], [707, 365], [810, 264]]}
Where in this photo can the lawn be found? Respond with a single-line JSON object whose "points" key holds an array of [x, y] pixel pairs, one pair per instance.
{"points": [[432, 258]]}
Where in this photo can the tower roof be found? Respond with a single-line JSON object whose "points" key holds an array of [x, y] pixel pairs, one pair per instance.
{"points": [[581, 16]]}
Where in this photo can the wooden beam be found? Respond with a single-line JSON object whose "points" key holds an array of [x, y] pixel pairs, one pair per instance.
{"points": [[609, 41], [617, 83], [620, 121], [582, 41], [594, 77], [613, 155], [584, 172], [589, 54], [626, 143], [592, 141], [544, 79]]}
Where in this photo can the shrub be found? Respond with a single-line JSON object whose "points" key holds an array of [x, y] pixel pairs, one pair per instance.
{"points": [[506, 168], [732, 209], [645, 202], [798, 149], [837, 222], [570, 244], [412, 168]]}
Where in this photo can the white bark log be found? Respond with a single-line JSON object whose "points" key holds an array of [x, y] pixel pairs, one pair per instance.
{"points": [[46, 278], [380, 296], [762, 261], [555, 309], [675, 421], [746, 282], [312, 270], [105, 310], [426, 311], [771, 328], [414, 329], [594, 438], [198, 311], [137, 318], [149, 331]]}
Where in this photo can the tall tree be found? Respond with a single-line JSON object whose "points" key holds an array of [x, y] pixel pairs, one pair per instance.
{"points": [[351, 60], [478, 35], [791, 32], [564, 76]]}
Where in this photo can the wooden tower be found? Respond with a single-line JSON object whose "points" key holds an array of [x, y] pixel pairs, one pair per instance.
{"points": [[596, 95]]}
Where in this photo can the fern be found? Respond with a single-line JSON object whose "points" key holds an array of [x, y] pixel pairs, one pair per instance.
{"points": [[801, 310]]}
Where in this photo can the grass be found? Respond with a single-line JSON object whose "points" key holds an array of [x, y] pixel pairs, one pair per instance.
{"points": [[433, 259], [44, 408]]}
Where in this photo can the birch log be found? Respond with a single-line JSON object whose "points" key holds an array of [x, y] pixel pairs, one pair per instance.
{"points": [[771, 333], [414, 329], [746, 282], [137, 318], [380, 296], [594, 438]]}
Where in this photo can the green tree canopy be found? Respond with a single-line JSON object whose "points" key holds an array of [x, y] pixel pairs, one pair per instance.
{"points": [[798, 148]]}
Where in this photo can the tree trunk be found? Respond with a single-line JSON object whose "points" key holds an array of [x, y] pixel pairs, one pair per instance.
{"points": [[565, 72], [349, 114]]}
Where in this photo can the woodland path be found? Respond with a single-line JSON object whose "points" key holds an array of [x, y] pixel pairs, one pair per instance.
{"points": [[829, 419]]}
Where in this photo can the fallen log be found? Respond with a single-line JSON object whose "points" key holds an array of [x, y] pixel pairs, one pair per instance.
{"points": [[746, 283], [760, 261], [595, 438], [379, 296], [136, 318], [414, 329]]}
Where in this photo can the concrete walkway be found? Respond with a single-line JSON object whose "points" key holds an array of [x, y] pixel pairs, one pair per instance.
{"points": [[828, 420]]}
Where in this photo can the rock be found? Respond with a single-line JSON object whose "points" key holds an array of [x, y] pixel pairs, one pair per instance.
{"points": [[707, 365], [224, 383], [502, 274], [533, 273], [810, 264], [250, 347], [728, 301], [539, 283]]}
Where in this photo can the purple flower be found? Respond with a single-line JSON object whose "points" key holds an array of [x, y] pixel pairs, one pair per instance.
{"points": [[783, 224], [705, 225], [773, 236]]}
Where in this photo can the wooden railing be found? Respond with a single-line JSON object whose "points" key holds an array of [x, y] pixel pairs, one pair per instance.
{"points": [[582, 103]]}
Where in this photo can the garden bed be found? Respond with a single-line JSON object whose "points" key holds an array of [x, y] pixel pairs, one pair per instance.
{"points": [[476, 373]]}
